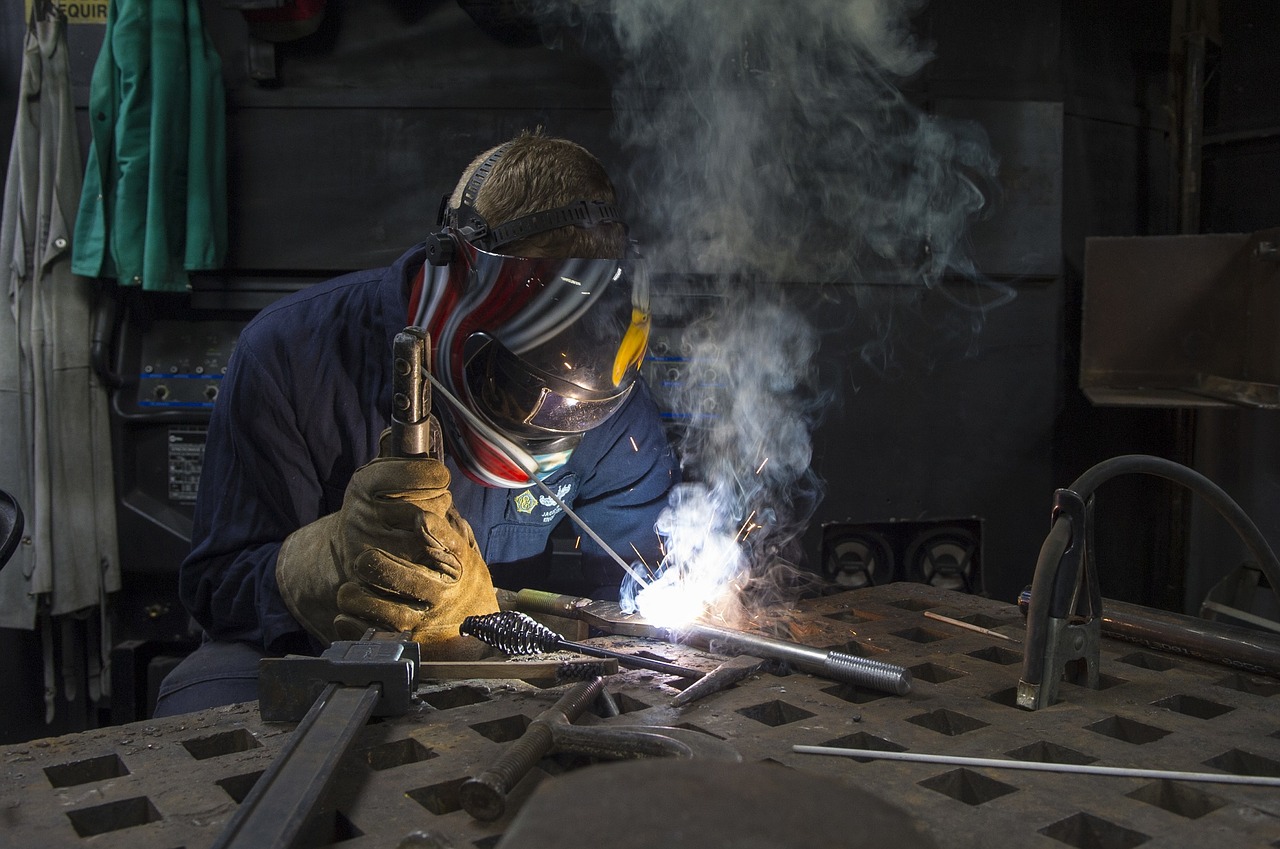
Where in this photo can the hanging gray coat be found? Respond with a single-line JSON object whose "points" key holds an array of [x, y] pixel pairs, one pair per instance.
{"points": [[55, 450]]}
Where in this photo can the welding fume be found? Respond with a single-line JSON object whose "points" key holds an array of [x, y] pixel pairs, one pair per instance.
{"points": [[772, 150]]}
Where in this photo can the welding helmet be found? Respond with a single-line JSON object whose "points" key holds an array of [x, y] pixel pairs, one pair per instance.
{"points": [[537, 351]]}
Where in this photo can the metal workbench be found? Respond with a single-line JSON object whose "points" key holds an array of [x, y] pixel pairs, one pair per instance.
{"points": [[175, 782]]}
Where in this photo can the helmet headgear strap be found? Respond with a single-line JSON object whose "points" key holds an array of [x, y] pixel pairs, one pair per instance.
{"points": [[470, 224]]}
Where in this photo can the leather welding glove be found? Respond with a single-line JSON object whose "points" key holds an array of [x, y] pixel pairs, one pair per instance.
{"points": [[396, 556]]}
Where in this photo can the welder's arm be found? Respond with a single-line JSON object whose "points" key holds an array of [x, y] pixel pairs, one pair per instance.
{"points": [[396, 556]]}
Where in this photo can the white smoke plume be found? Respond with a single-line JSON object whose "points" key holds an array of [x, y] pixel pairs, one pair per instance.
{"points": [[771, 139], [769, 143], [732, 529]]}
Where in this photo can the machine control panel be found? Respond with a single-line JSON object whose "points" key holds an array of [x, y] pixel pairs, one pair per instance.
{"points": [[182, 363]]}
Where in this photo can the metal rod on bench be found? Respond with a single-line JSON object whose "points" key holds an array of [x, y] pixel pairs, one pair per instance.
{"points": [[277, 810]]}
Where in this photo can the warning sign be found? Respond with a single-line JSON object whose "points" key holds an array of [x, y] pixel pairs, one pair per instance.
{"points": [[86, 12]]}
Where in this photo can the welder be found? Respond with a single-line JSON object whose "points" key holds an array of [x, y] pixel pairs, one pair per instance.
{"points": [[308, 529]]}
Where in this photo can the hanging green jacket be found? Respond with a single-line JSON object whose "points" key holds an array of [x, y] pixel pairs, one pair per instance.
{"points": [[154, 204]]}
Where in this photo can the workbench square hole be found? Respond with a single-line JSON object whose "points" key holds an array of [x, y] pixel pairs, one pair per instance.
{"points": [[1193, 706], [1085, 831], [1249, 684], [503, 730], [865, 741], [1178, 797], [920, 635], [397, 753], [855, 695], [82, 772], [775, 713], [338, 829], [1142, 660], [1045, 752], [935, 674], [947, 722], [967, 786], [238, 786], [327, 828], [455, 697], [691, 727], [982, 620], [912, 604], [1127, 730], [997, 654], [1239, 762], [852, 617], [1105, 682], [487, 842], [439, 799], [223, 743], [113, 816], [628, 704]]}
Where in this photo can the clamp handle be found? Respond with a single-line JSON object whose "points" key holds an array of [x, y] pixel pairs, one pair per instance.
{"points": [[414, 432], [1064, 619]]}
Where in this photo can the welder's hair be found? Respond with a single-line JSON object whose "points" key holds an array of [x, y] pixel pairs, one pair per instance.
{"points": [[537, 173]]}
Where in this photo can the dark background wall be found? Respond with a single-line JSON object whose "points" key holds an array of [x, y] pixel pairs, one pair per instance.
{"points": [[340, 161]]}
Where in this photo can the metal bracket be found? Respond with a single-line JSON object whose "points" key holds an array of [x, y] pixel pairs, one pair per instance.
{"points": [[289, 686]]}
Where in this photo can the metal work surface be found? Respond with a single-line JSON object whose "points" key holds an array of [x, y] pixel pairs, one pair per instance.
{"points": [[176, 782]]}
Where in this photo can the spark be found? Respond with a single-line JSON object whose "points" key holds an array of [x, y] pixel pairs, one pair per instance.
{"points": [[634, 447], [762, 465], [745, 524], [641, 556], [577, 543]]}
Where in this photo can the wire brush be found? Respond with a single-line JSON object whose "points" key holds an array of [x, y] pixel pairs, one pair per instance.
{"points": [[513, 632]]}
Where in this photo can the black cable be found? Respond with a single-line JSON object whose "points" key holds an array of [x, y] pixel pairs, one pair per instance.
{"points": [[1085, 485]]}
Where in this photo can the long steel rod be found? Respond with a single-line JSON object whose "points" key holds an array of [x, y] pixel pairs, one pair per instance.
{"points": [[1038, 766], [1204, 639], [876, 674], [276, 811]]}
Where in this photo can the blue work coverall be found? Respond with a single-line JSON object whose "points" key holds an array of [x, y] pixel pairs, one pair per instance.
{"points": [[306, 396]]}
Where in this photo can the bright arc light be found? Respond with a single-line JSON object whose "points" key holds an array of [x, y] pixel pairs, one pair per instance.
{"points": [[701, 577]]}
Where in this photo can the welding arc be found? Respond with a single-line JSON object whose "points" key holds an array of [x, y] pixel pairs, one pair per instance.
{"points": [[502, 444], [514, 632]]}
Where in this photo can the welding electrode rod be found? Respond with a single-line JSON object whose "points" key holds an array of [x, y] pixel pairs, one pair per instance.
{"points": [[1039, 766], [485, 795], [873, 674]]}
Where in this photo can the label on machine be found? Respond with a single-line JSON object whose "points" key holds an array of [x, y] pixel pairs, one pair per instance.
{"points": [[186, 458]]}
